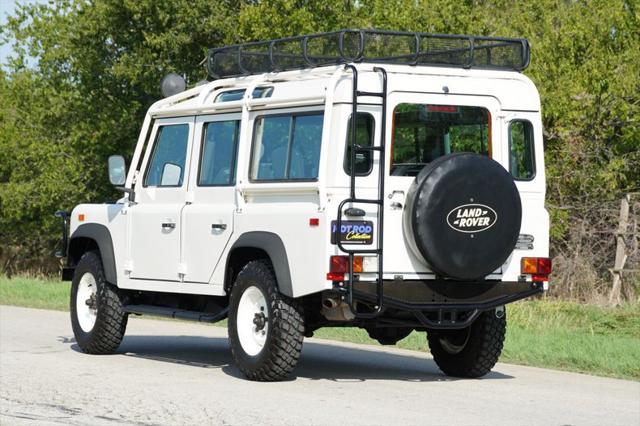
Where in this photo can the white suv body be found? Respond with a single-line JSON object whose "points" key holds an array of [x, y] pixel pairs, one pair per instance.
{"points": [[190, 258], [257, 166]]}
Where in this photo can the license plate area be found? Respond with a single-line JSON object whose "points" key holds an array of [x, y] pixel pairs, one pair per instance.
{"points": [[353, 232]]}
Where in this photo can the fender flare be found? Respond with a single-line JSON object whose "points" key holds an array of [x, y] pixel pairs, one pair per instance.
{"points": [[271, 244], [101, 235]]}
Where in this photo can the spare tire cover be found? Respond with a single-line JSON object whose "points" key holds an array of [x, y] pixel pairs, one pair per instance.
{"points": [[463, 215]]}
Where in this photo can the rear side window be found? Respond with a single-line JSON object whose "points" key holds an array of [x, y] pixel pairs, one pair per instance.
{"points": [[218, 157], [364, 138], [169, 155], [521, 159], [423, 133], [286, 147]]}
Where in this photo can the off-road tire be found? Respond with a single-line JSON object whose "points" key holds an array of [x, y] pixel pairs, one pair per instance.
{"points": [[283, 344], [111, 321], [479, 354]]}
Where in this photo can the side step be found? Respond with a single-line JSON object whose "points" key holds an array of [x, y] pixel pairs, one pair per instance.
{"points": [[176, 313]]}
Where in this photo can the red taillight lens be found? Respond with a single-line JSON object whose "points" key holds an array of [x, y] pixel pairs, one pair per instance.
{"points": [[539, 266], [544, 266], [339, 265]]}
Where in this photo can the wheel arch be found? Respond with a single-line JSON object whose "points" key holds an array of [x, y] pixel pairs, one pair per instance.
{"points": [[259, 245], [93, 236]]}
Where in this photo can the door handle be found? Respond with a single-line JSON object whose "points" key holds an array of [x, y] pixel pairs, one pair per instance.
{"points": [[221, 226], [168, 225], [394, 193]]}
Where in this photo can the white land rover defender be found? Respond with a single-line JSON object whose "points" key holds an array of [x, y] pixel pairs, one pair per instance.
{"points": [[383, 180]]}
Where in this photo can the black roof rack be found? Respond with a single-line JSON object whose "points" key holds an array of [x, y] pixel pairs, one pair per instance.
{"points": [[378, 46]]}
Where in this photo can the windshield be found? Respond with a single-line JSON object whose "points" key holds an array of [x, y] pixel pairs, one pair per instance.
{"points": [[423, 133]]}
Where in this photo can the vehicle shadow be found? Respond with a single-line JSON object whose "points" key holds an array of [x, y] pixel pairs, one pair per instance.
{"points": [[319, 361]]}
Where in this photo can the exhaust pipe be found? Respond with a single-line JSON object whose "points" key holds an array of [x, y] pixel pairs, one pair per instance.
{"points": [[335, 309], [330, 303]]}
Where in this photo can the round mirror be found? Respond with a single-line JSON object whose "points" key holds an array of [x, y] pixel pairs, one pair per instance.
{"points": [[172, 84]]}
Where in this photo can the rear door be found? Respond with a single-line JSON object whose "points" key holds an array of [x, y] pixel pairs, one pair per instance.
{"points": [[207, 219], [425, 127]]}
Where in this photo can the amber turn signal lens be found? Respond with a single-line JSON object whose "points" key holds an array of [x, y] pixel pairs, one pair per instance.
{"points": [[535, 265], [339, 265]]}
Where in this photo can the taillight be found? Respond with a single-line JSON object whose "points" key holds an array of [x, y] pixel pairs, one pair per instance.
{"points": [[538, 267], [338, 267]]}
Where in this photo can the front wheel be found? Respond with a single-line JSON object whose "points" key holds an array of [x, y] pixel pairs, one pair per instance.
{"points": [[266, 328], [97, 317], [473, 351]]}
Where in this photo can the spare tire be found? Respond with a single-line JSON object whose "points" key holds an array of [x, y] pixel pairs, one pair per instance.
{"points": [[463, 215]]}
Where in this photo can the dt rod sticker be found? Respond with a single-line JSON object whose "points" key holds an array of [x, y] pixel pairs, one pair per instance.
{"points": [[353, 232], [472, 218]]}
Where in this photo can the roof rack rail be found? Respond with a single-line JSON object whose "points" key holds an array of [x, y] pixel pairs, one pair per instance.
{"points": [[377, 46]]}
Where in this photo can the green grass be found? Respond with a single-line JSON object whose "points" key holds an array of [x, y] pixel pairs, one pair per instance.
{"points": [[550, 334], [35, 293]]}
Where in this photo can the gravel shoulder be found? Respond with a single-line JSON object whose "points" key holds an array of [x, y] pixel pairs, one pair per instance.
{"points": [[180, 373]]}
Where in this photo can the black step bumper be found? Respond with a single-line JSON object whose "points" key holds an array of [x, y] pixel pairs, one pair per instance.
{"points": [[443, 303]]}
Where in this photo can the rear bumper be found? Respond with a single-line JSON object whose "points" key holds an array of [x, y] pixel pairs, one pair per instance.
{"points": [[433, 295], [444, 304]]}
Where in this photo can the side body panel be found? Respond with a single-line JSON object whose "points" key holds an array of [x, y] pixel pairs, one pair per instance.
{"points": [[106, 224]]}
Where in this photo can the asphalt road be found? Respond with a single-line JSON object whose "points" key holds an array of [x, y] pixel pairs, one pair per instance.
{"points": [[180, 373]]}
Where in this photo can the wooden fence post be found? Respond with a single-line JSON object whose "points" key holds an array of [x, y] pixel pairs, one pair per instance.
{"points": [[621, 251]]}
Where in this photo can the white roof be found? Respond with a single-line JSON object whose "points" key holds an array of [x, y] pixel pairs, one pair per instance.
{"points": [[513, 90]]}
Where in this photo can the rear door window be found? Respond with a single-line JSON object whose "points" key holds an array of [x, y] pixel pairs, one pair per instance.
{"points": [[423, 133], [219, 148]]}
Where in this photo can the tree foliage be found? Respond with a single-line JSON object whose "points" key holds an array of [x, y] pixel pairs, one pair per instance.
{"points": [[98, 64]]}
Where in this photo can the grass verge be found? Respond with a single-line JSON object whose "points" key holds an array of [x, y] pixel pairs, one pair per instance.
{"points": [[541, 333]]}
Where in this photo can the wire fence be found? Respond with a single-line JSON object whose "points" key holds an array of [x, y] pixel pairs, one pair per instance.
{"points": [[585, 257]]}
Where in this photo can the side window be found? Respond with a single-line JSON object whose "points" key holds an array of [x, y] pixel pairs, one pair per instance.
{"points": [[237, 94], [169, 155], [364, 137], [521, 158], [286, 147], [218, 156]]}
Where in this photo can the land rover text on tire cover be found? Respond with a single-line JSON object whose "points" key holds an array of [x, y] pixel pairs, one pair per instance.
{"points": [[383, 180]]}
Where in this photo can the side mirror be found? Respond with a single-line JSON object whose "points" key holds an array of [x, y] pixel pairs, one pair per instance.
{"points": [[118, 175], [117, 170]]}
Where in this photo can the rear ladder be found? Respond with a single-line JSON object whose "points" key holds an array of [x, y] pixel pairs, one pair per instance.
{"points": [[353, 199]]}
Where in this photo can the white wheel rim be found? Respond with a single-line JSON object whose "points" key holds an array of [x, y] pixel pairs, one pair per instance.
{"points": [[252, 308], [86, 296]]}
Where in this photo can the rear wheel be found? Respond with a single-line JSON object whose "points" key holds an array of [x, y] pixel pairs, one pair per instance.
{"points": [[470, 352], [97, 317], [266, 328]]}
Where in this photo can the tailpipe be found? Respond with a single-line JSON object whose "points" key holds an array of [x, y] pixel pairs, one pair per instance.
{"points": [[335, 309]]}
